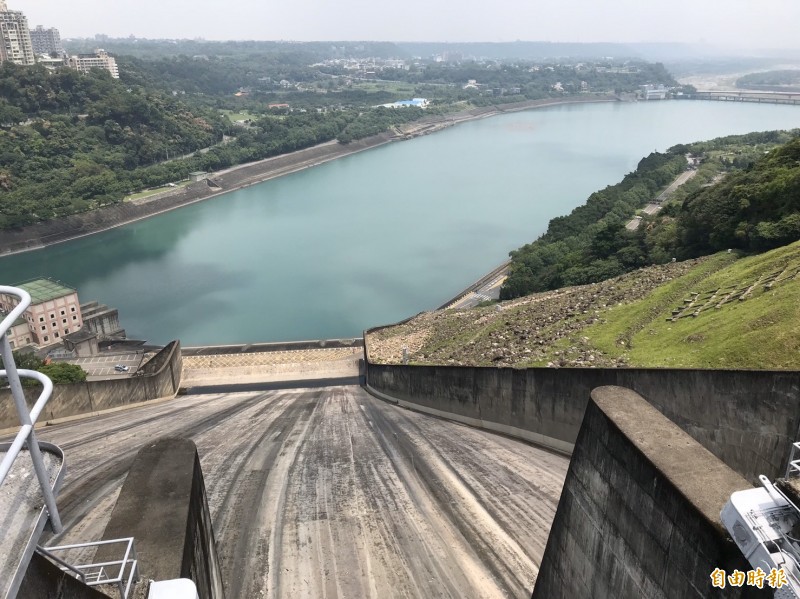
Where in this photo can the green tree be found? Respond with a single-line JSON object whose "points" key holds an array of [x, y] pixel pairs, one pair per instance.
{"points": [[25, 360], [63, 372]]}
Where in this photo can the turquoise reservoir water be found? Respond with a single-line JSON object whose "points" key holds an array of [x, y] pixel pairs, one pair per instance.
{"points": [[374, 237]]}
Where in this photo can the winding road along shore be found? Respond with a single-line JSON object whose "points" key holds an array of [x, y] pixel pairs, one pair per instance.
{"points": [[333, 493], [47, 233]]}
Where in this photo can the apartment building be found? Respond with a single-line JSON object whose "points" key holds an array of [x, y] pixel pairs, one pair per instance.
{"points": [[46, 41], [15, 38]]}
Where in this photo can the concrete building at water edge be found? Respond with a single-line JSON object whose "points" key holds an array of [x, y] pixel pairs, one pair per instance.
{"points": [[56, 317], [54, 312], [654, 92]]}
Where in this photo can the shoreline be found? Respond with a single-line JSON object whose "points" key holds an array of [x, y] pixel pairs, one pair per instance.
{"points": [[42, 235], [506, 265]]}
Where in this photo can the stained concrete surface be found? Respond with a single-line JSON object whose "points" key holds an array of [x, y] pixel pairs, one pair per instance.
{"points": [[332, 493], [44, 580], [163, 505], [22, 515], [639, 512], [747, 418]]}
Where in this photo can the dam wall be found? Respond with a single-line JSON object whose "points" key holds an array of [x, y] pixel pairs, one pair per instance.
{"points": [[748, 419], [163, 505], [639, 512], [159, 377]]}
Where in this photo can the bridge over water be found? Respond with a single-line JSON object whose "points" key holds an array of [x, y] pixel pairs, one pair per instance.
{"points": [[762, 97]]}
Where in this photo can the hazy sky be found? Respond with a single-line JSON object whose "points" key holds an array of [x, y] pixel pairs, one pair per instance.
{"points": [[743, 23]]}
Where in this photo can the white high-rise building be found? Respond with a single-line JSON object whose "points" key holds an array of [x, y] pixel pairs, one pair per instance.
{"points": [[15, 38], [100, 59]]}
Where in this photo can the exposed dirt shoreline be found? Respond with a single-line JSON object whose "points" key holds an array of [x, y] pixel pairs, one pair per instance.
{"points": [[75, 226]]}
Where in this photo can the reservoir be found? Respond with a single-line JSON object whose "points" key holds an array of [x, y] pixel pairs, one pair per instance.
{"points": [[374, 237]]}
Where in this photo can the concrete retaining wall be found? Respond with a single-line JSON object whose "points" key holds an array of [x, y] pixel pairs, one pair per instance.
{"points": [[748, 419], [639, 513], [160, 377], [163, 505]]}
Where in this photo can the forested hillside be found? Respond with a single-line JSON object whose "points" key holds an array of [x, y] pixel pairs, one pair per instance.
{"points": [[754, 210], [755, 207], [72, 142], [771, 80], [69, 142]]}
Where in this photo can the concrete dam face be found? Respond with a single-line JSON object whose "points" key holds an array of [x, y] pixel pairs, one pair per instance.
{"points": [[333, 491], [653, 462], [319, 492]]}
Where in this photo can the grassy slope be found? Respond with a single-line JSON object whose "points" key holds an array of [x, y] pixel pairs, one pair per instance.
{"points": [[760, 332], [623, 321]]}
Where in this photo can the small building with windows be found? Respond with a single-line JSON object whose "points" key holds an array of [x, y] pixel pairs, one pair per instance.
{"points": [[654, 92], [19, 335], [55, 311]]}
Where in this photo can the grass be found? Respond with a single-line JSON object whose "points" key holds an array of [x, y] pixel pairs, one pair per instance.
{"points": [[395, 87], [238, 115], [760, 332], [627, 321], [154, 191]]}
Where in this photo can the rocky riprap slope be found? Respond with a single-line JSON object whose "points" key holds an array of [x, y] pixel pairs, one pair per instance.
{"points": [[539, 329]]}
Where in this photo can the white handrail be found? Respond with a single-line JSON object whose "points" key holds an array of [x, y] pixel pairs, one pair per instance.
{"points": [[95, 573], [27, 420]]}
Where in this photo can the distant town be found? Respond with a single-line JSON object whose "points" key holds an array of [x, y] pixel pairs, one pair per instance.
{"points": [[24, 46]]}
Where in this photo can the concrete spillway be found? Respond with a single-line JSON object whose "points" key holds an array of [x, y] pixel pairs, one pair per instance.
{"points": [[330, 492]]}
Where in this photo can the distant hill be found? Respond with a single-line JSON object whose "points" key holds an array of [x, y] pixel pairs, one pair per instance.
{"points": [[311, 51], [723, 311], [778, 80], [520, 50]]}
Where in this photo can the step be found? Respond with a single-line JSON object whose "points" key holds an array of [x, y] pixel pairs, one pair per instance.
{"points": [[23, 514]]}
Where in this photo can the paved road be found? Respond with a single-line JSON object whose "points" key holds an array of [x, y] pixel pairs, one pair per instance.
{"points": [[238, 360], [102, 367], [656, 205], [490, 290], [679, 180], [332, 493]]}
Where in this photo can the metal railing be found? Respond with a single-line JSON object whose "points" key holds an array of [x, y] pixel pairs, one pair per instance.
{"points": [[793, 467], [121, 573], [27, 420]]}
